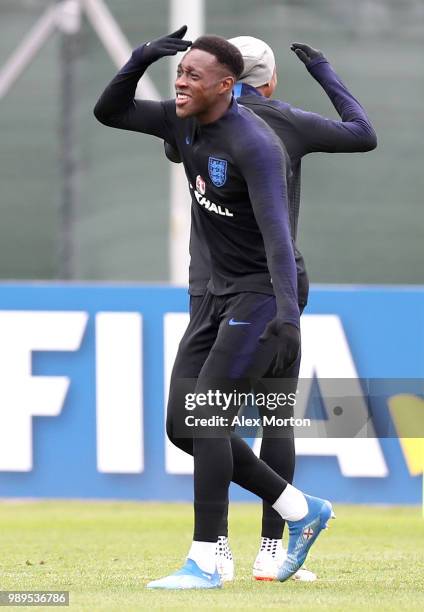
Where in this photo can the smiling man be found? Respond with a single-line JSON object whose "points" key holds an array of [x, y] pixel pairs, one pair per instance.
{"points": [[235, 168]]}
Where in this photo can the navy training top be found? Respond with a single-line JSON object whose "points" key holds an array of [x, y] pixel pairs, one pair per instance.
{"points": [[235, 168]]}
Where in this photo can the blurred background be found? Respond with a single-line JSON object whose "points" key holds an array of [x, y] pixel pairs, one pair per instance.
{"points": [[87, 203], [85, 366], [361, 218]]}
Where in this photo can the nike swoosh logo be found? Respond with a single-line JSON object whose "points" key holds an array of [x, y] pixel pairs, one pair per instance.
{"points": [[232, 322]]}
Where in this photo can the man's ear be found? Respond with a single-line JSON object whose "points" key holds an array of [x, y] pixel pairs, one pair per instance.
{"points": [[227, 84]]}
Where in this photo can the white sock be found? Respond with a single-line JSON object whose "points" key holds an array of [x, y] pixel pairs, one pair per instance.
{"points": [[292, 504], [223, 548], [271, 546], [203, 553]]}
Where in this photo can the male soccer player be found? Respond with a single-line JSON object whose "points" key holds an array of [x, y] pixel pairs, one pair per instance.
{"points": [[251, 305], [301, 133]]}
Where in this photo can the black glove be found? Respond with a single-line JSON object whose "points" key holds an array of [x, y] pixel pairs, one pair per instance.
{"points": [[167, 45], [305, 53], [288, 338], [172, 154]]}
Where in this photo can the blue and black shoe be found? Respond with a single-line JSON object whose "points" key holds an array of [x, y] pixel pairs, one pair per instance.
{"points": [[303, 533], [190, 576]]}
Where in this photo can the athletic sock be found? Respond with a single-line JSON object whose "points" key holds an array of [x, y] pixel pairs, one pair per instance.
{"points": [[203, 553], [271, 546], [223, 548], [292, 504]]}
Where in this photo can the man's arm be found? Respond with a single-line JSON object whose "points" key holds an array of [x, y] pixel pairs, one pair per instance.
{"points": [[117, 107], [354, 133], [265, 178]]}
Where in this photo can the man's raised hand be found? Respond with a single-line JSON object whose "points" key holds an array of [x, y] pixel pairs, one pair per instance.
{"points": [[306, 53], [171, 44]]}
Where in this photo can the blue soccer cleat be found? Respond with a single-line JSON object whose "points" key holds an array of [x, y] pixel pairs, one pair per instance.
{"points": [[190, 576], [303, 533]]}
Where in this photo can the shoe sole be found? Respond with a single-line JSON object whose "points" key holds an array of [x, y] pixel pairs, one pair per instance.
{"points": [[183, 588]]}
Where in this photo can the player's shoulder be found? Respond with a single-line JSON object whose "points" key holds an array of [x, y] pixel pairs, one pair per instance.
{"points": [[253, 130], [255, 140], [253, 101], [277, 110]]}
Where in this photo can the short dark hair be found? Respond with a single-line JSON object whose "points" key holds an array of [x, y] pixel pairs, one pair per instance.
{"points": [[225, 52]]}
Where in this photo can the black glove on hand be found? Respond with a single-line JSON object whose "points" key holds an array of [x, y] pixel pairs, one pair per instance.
{"points": [[166, 45], [288, 337], [172, 154], [305, 53]]}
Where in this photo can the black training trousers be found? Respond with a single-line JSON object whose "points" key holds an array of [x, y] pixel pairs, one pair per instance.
{"points": [[278, 453], [222, 342]]}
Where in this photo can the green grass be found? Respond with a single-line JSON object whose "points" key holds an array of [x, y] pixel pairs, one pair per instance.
{"points": [[105, 553]]}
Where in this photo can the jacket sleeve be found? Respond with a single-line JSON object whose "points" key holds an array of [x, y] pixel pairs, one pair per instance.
{"points": [[354, 133], [266, 182], [118, 108]]}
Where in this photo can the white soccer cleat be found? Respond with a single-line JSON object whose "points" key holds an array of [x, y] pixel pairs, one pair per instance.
{"points": [[266, 566], [190, 576], [224, 560]]}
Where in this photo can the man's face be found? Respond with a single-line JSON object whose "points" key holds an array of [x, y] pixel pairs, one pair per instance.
{"points": [[201, 82]]}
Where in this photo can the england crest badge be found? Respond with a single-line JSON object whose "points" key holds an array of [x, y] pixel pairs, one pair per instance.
{"points": [[217, 169]]}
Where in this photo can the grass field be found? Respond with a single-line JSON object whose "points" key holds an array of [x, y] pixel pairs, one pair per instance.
{"points": [[105, 553]]}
